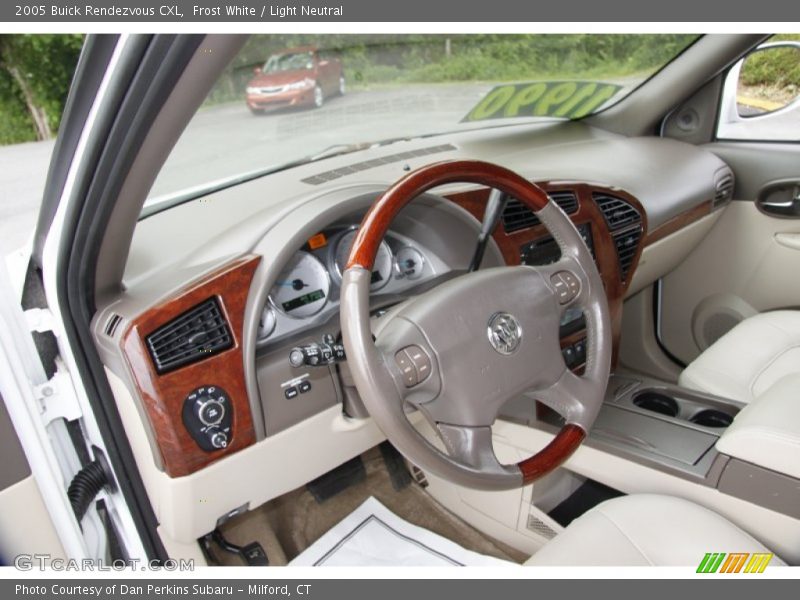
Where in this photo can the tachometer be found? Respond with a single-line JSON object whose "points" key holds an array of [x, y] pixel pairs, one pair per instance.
{"points": [[381, 270], [302, 287]]}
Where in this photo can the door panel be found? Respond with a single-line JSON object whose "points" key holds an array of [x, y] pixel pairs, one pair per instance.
{"points": [[748, 263]]}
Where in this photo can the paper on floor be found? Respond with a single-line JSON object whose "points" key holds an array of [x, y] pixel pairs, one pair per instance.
{"points": [[374, 535]]}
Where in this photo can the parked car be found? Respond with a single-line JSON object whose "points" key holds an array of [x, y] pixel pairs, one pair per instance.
{"points": [[295, 77], [548, 320]]}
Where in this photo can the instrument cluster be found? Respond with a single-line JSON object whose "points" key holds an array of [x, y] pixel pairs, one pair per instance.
{"points": [[306, 291]]}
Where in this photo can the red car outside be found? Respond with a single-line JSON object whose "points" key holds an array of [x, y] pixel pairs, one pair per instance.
{"points": [[295, 77]]}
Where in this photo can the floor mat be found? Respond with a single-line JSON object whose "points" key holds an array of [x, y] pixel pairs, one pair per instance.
{"points": [[297, 520], [372, 535]]}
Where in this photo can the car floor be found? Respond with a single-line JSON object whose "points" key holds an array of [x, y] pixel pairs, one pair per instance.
{"points": [[291, 523]]}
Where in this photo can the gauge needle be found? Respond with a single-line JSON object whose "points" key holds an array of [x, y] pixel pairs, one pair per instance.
{"points": [[295, 284]]}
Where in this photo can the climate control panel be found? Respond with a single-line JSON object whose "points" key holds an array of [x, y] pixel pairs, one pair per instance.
{"points": [[207, 416]]}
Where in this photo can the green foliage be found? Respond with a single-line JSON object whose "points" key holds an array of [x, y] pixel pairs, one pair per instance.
{"points": [[773, 67], [47, 63], [15, 125], [418, 58]]}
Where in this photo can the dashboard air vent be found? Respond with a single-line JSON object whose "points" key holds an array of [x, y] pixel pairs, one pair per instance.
{"points": [[518, 216], [617, 212], [326, 176], [723, 190], [198, 333], [625, 224], [627, 243], [112, 324]]}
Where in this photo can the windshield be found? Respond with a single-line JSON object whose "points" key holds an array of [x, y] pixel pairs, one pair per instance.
{"points": [[288, 62], [370, 88]]}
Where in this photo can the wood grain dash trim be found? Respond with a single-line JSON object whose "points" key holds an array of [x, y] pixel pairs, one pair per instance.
{"points": [[162, 396], [678, 222]]}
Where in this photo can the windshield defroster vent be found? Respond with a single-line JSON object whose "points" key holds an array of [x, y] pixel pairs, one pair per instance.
{"points": [[518, 216], [198, 333], [326, 176], [625, 224]]}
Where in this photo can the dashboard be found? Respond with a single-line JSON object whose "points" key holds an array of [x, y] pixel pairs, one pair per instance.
{"points": [[200, 337]]}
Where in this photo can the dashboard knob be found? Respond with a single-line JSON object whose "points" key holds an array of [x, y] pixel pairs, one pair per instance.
{"points": [[219, 439], [210, 411], [297, 357]]}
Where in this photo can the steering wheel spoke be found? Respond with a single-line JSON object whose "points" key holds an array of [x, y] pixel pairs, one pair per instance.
{"points": [[471, 446], [567, 396]]}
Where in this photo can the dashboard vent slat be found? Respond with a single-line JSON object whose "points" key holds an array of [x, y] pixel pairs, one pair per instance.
{"points": [[518, 216], [723, 190], [200, 332], [617, 213]]}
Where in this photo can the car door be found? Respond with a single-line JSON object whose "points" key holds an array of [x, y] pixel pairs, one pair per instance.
{"points": [[749, 261], [66, 417]]}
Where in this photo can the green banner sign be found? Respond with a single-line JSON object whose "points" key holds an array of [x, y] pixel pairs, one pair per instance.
{"points": [[562, 99]]}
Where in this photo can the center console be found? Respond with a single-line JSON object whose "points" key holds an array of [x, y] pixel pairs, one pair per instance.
{"points": [[692, 435]]}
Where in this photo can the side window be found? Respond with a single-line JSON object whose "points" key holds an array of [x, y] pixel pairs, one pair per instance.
{"points": [[761, 95]]}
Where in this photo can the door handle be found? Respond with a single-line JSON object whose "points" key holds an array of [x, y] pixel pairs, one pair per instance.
{"points": [[780, 199]]}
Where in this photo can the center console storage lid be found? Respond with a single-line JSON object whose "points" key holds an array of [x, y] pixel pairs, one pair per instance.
{"points": [[651, 435], [767, 431]]}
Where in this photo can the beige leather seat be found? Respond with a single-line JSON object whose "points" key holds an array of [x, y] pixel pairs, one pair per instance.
{"points": [[749, 359], [645, 530]]}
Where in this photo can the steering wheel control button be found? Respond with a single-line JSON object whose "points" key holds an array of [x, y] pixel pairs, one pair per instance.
{"points": [[580, 351], [570, 358], [207, 416], [291, 392], [421, 362], [566, 285], [304, 386], [504, 332], [407, 368]]}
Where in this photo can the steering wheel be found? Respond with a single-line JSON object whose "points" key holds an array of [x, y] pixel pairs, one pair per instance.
{"points": [[459, 351]]}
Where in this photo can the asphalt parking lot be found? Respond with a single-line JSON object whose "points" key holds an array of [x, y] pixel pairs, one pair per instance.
{"points": [[22, 177]]}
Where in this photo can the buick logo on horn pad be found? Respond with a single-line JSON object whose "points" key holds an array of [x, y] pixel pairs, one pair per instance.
{"points": [[504, 333]]}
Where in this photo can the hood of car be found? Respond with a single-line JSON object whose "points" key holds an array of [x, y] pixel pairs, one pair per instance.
{"points": [[281, 78]]}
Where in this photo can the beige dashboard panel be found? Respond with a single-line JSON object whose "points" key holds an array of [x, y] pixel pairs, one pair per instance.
{"points": [[188, 507]]}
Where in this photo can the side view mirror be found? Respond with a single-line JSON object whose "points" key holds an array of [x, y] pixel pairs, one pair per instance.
{"points": [[760, 98], [257, 71]]}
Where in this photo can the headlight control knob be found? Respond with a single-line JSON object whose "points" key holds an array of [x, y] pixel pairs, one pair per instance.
{"points": [[210, 411], [208, 417]]}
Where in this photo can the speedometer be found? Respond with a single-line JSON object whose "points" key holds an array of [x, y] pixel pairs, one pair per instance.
{"points": [[381, 270], [302, 287]]}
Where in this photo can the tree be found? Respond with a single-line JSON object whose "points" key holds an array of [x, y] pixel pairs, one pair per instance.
{"points": [[37, 70]]}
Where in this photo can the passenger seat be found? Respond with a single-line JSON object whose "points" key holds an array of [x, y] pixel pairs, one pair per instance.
{"points": [[749, 359]]}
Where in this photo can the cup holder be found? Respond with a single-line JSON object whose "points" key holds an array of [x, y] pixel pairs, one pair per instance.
{"points": [[712, 418], [660, 403]]}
